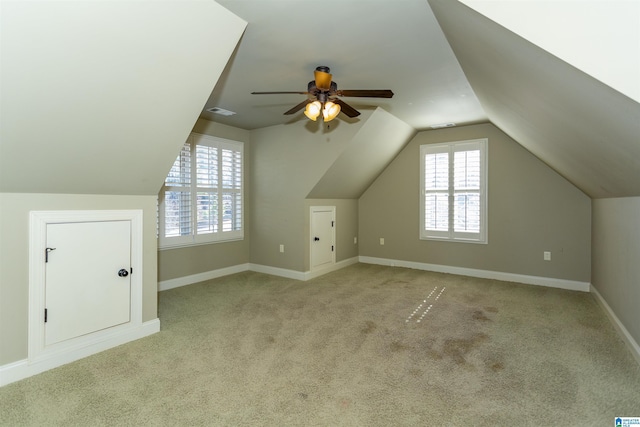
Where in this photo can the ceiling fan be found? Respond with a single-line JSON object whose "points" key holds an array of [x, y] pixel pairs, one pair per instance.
{"points": [[323, 96]]}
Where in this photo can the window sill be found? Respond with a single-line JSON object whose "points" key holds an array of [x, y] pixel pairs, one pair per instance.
{"points": [[169, 246], [446, 239]]}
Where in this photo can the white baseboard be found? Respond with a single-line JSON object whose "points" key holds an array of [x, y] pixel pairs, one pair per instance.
{"points": [[483, 274], [201, 277], [622, 331], [259, 268], [308, 275], [22, 369], [277, 271], [333, 267], [299, 275]]}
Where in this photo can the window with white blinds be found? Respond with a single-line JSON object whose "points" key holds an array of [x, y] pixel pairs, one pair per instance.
{"points": [[453, 188], [202, 197]]}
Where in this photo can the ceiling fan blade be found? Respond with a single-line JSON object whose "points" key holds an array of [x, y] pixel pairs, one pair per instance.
{"points": [[274, 93], [366, 93], [299, 106], [323, 79], [346, 108]]}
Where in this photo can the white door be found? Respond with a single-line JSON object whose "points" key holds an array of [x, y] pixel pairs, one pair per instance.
{"points": [[322, 227], [87, 278]]}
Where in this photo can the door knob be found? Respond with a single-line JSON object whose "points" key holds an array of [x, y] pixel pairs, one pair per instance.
{"points": [[316, 239], [123, 272]]}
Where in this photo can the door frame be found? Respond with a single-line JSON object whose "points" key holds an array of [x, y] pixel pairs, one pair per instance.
{"points": [[38, 221], [312, 210]]}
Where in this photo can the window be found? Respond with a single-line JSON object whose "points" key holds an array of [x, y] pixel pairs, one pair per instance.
{"points": [[201, 200], [453, 202]]}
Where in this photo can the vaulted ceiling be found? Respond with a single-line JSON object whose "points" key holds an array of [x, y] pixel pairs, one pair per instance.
{"points": [[98, 97], [92, 86], [446, 63], [371, 44], [581, 127]]}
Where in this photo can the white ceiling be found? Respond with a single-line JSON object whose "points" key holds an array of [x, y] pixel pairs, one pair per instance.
{"points": [[601, 38], [368, 44], [82, 63], [78, 79], [584, 129], [446, 63]]}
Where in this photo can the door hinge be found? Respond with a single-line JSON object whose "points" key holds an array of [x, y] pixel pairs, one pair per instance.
{"points": [[332, 223], [46, 253], [331, 248], [45, 315]]}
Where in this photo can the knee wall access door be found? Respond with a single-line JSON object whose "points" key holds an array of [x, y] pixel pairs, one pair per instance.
{"points": [[87, 278], [85, 282], [322, 225]]}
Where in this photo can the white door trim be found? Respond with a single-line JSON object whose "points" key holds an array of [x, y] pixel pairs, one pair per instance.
{"points": [[37, 239]]}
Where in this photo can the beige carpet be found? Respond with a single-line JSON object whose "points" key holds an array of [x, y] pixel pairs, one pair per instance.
{"points": [[363, 346]]}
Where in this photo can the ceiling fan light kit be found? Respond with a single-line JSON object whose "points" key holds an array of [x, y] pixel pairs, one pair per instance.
{"points": [[323, 96], [312, 110], [329, 110]]}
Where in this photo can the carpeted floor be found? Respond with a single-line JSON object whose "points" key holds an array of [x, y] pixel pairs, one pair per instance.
{"points": [[364, 346]]}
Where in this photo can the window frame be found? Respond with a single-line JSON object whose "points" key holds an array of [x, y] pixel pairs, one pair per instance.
{"points": [[201, 238], [450, 235]]}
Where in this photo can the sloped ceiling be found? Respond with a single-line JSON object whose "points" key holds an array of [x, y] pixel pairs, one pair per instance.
{"points": [[582, 128], [601, 38], [369, 152], [98, 97]]}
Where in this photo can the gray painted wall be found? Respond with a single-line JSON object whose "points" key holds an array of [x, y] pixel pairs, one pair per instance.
{"points": [[615, 255], [531, 209], [293, 162], [286, 163]]}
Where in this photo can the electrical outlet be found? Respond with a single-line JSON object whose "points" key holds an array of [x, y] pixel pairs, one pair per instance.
{"points": [[281, 248], [547, 255], [355, 240], [382, 241]]}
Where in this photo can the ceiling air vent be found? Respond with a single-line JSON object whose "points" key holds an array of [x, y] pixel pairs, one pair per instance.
{"points": [[221, 111], [443, 125]]}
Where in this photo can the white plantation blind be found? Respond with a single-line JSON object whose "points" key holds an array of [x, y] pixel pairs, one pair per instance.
{"points": [[180, 173], [207, 166], [453, 191], [436, 185], [202, 197]]}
